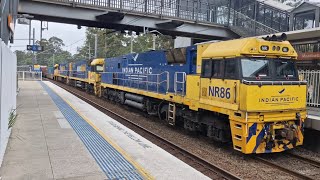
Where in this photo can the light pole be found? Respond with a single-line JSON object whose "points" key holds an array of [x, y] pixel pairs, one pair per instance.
{"points": [[154, 32], [95, 45], [131, 43]]}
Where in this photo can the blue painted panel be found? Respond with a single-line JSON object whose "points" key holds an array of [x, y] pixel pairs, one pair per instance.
{"points": [[50, 70], [133, 70], [66, 72], [75, 66]]}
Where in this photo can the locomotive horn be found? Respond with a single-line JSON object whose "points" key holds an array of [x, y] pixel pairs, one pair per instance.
{"points": [[282, 37]]}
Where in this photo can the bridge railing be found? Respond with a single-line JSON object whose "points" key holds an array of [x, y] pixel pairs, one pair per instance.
{"points": [[239, 19], [180, 9]]}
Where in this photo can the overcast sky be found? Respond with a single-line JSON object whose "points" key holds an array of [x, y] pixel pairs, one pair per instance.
{"points": [[68, 33]]}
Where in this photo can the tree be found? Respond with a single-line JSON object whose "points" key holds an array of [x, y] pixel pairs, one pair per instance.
{"points": [[111, 44], [23, 57], [53, 49], [53, 53]]}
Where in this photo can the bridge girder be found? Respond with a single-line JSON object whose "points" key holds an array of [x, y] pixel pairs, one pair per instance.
{"points": [[111, 19]]}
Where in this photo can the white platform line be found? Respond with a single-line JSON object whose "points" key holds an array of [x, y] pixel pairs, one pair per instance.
{"points": [[314, 117]]}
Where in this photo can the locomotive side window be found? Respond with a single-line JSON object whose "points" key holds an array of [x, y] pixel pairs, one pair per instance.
{"points": [[230, 68], [206, 68], [217, 68], [98, 68]]}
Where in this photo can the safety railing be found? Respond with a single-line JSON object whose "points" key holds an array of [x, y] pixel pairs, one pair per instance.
{"points": [[179, 83], [313, 82], [63, 72], [29, 76], [78, 74], [186, 9], [150, 82], [239, 19]]}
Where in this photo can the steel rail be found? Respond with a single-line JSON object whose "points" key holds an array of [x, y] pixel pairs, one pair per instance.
{"points": [[289, 171], [206, 167], [305, 159]]}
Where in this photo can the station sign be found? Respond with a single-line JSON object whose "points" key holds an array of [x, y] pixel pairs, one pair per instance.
{"points": [[34, 48], [309, 56], [24, 21]]}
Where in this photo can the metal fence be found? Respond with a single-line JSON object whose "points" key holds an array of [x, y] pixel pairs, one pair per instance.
{"points": [[313, 93], [29, 76]]}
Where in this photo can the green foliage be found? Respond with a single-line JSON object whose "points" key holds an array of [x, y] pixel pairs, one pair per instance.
{"points": [[52, 46], [111, 44], [12, 118]]}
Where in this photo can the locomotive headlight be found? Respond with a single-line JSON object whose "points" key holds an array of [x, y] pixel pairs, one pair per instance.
{"points": [[264, 48], [285, 49]]}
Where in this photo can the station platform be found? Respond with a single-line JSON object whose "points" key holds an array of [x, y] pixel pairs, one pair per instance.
{"points": [[312, 130], [313, 120], [59, 136]]}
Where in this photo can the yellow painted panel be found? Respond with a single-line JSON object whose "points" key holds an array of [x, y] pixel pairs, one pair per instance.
{"points": [[193, 87], [272, 97], [219, 92], [98, 61], [79, 79], [83, 67], [247, 46], [94, 77], [70, 66], [200, 49]]}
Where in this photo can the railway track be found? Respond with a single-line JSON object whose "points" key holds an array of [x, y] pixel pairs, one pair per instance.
{"points": [[205, 167], [282, 168], [305, 159], [290, 156]]}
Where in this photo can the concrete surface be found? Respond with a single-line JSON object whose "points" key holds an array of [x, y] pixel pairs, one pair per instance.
{"points": [[313, 121], [157, 162], [42, 145]]}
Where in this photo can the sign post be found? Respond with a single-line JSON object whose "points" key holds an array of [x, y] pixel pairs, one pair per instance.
{"points": [[34, 48]]}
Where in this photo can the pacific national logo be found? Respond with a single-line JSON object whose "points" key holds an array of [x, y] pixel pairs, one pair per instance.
{"points": [[281, 91]]}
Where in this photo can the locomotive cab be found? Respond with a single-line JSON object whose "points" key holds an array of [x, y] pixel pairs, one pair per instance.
{"points": [[97, 67], [55, 71], [254, 86]]}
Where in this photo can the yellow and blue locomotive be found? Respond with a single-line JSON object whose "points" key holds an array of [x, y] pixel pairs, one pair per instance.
{"points": [[244, 91]]}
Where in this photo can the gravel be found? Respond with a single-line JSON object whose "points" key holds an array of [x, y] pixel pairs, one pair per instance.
{"points": [[307, 153]]}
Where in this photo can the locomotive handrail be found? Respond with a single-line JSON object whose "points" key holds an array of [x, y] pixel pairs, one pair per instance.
{"points": [[176, 82], [141, 78], [64, 72], [273, 82], [74, 73]]}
